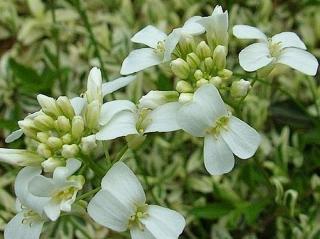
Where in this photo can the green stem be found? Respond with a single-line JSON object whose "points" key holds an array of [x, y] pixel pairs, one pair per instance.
{"points": [[314, 94], [88, 194], [93, 166], [79, 226]]}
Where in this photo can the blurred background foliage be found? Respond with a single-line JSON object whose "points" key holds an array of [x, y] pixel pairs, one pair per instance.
{"points": [[49, 47]]}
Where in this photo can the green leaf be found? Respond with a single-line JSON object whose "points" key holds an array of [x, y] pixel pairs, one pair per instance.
{"points": [[212, 211]]}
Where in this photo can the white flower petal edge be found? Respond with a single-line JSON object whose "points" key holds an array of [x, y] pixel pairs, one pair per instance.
{"points": [[110, 109], [111, 86], [120, 205], [289, 39], [149, 36], [248, 32]]}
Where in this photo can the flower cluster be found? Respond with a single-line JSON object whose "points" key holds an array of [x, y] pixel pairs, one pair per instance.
{"points": [[66, 134]]}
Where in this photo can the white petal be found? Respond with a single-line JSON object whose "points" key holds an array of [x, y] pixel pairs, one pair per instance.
{"points": [[61, 174], [41, 186], [164, 118], [122, 124], [19, 157], [217, 10], [116, 84], [111, 108], [255, 56], [192, 27], [218, 157], [21, 189], [52, 210], [171, 43], [136, 233], [208, 97], [14, 136], [241, 138], [300, 60], [121, 182], [15, 229], [78, 104], [140, 59], [288, 39], [163, 222], [149, 36], [108, 211], [248, 32]]}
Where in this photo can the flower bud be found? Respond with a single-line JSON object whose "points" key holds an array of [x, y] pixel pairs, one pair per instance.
{"points": [[28, 127], [184, 87], [66, 139], [88, 144], [203, 50], [92, 114], [202, 82], [51, 164], [185, 97], [20, 157], [63, 124], [54, 142], [198, 74], [94, 86], [48, 105], [69, 151], [43, 122], [42, 137], [77, 127], [186, 45], [180, 68], [219, 57], [156, 98], [225, 74], [240, 88], [44, 150], [208, 64], [216, 81], [65, 106], [193, 60]]}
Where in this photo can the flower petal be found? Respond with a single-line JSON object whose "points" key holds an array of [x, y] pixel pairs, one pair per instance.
{"points": [[111, 86], [140, 59], [171, 43], [300, 60], [61, 174], [52, 210], [288, 39], [241, 138], [111, 108], [78, 103], [255, 56], [164, 118], [248, 32], [218, 157], [122, 124], [19, 157], [41, 186], [163, 222], [15, 229], [149, 36], [192, 27], [14, 136]]}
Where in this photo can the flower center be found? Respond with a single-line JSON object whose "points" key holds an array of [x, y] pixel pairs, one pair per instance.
{"points": [[30, 217], [274, 48], [219, 125], [160, 48], [135, 219]]}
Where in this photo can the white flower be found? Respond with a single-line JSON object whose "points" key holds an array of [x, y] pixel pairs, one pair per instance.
{"points": [[160, 46], [61, 189], [224, 135], [216, 27], [27, 224], [285, 48], [121, 118], [121, 205]]}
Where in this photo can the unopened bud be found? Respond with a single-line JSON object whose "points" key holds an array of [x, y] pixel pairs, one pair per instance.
{"points": [[198, 74], [42, 137], [51, 164], [48, 105], [156, 98], [94, 86], [28, 127], [208, 64], [77, 127], [88, 144], [92, 114], [225, 74], [202, 82], [240, 88], [219, 57], [203, 50], [65, 106], [43, 122], [66, 139], [216, 81], [185, 97], [186, 45], [54, 142], [193, 60], [20, 157], [184, 87], [69, 151], [180, 68], [44, 150], [63, 124]]}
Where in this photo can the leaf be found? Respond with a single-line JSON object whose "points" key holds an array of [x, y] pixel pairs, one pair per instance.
{"points": [[212, 211]]}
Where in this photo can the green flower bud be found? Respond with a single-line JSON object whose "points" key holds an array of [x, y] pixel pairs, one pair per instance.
{"points": [[69, 151], [48, 105], [225, 74], [28, 127], [184, 87], [186, 45], [240, 88], [88, 144], [216, 81], [219, 57], [193, 60], [203, 50], [202, 82], [44, 150], [20, 157], [156, 98], [77, 127], [42, 137], [43, 122], [51, 164], [66, 139], [198, 74], [63, 124], [92, 114], [180, 68], [185, 97], [208, 64], [54, 142], [65, 106]]}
